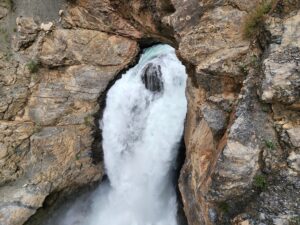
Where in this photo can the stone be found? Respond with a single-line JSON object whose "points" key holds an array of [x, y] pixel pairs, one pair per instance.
{"points": [[3, 12], [206, 47], [294, 134], [86, 15], [70, 96], [28, 30], [3, 151], [70, 47], [281, 83], [294, 161], [16, 145], [46, 26], [43, 126], [245, 222], [216, 118], [46, 118], [152, 78]]}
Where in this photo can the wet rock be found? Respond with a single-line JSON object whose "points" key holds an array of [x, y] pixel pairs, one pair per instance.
{"points": [[152, 78]]}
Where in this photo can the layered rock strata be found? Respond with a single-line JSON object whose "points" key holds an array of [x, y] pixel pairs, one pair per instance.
{"points": [[242, 128]]}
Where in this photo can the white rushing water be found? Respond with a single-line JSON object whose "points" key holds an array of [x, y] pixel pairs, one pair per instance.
{"points": [[141, 134]]}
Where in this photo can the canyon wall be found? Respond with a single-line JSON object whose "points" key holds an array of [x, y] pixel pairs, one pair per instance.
{"points": [[242, 131]]}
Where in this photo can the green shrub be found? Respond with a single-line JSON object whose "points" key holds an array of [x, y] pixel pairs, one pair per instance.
{"points": [[89, 120], [254, 21], [33, 66], [269, 144], [224, 207], [260, 182], [244, 69]]}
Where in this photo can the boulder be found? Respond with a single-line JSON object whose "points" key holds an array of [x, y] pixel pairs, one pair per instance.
{"points": [[152, 78]]}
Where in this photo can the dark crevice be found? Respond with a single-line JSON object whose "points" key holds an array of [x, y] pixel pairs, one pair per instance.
{"points": [[181, 217], [97, 150]]}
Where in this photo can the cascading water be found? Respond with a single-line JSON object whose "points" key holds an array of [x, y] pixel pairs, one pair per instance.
{"points": [[142, 126]]}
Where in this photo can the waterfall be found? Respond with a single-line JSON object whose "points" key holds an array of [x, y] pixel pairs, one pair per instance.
{"points": [[142, 126]]}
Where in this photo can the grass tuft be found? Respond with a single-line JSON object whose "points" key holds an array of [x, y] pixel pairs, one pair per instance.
{"points": [[255, 20], [260, 182], [269, 144], [89, 120], [33, 66], [224, 207]]}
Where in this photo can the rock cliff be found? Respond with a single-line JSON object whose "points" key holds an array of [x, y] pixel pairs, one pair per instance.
{"points": [[242, 133]]}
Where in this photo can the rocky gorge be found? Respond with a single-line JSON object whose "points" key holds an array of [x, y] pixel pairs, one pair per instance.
{"points": [[242, 130]]}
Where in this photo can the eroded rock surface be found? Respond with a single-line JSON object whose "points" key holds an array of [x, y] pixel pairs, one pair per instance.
{"points": [[49, 90], [242, 128]]}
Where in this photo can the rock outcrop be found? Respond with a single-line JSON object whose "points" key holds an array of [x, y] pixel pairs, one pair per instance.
{"points": [[152, 78], [242, 131], [50, 91]]}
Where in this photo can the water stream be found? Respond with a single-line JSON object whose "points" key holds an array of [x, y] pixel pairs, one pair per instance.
{"points": [[142, 128]]}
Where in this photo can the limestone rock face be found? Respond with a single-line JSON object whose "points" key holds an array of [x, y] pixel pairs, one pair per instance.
{"points": [[50, 91], [232, 146], [242, 126], [70, 47], [281, 68]]}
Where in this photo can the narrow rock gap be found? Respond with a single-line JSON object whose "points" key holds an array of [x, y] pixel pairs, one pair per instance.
{"points": [[58, 200], [97, 145], [182, 220]]}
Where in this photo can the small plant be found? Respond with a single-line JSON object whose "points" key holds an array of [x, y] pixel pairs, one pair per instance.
{"points": [[260, 182], [244, 69], [294, 220], [33, 66], [89, 120], [254, 61], [269, 144], [254, 21], [224, 207]]}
